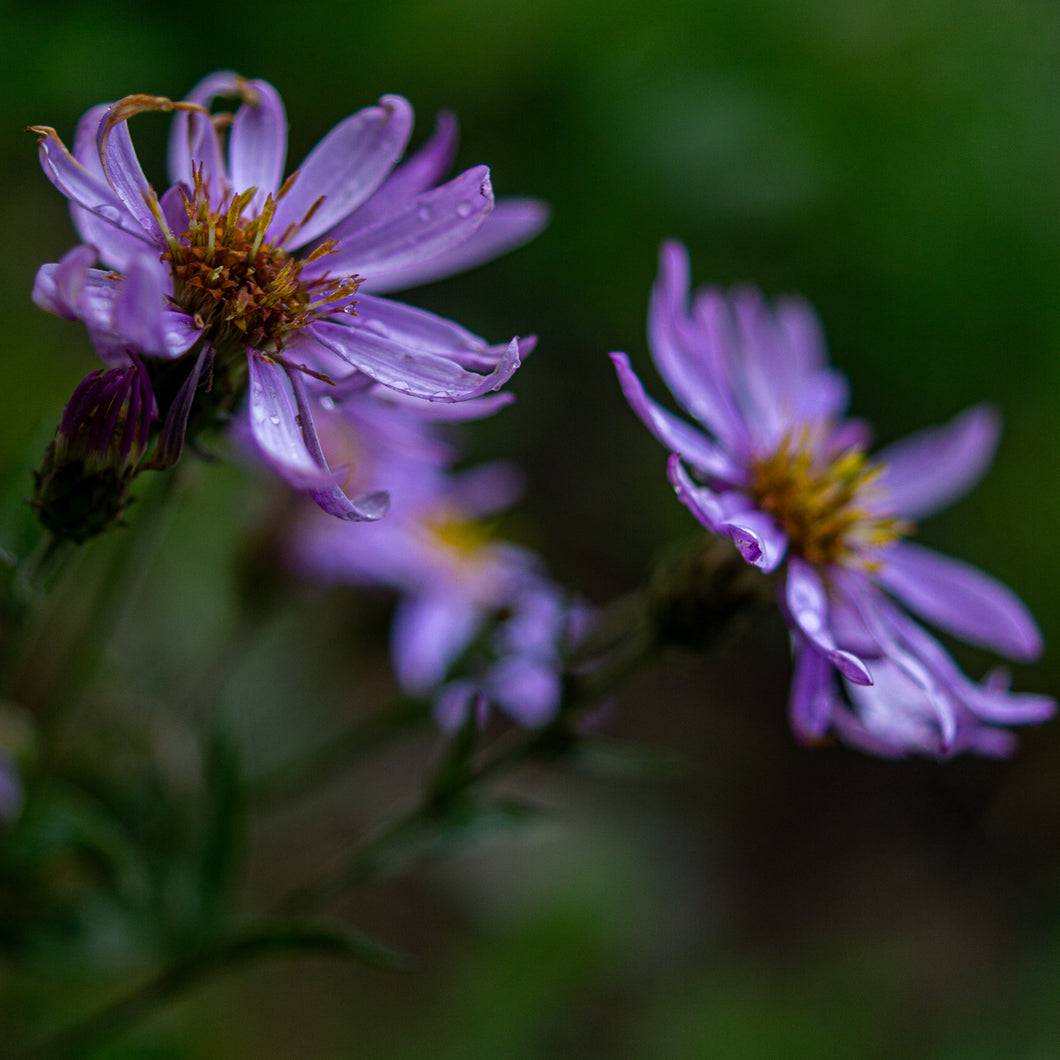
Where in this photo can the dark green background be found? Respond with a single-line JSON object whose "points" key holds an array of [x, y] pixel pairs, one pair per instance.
{"points": [[897, 162]]}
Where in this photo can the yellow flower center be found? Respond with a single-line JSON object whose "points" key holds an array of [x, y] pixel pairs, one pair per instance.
{"points": [[819, 502]]}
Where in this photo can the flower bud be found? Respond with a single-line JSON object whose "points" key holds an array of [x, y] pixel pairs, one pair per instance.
{"points": [[82, 484]]}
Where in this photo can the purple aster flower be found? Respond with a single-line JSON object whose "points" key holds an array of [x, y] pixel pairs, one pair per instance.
{"points": [[236, 280], [775, 467], [465, 597]]}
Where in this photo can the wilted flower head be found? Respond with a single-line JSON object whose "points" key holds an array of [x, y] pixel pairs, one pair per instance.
{"points": [[82, 484], [236, 280], [467, 599], [779, 471]]}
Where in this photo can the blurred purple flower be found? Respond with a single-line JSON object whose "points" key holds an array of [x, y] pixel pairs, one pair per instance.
{"points": [[465, 596], [272, 285], [784, 476]]}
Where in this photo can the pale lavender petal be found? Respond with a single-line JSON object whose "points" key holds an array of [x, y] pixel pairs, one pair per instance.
{"points": [[757, 537], [84, 188], [675, 434], [425, 226], [274, 425], [428, 634], [930, 469], [116, 248], [692, 359], [58, 288], [806, 602], [813, 698], [416, 174], [487, 489], [511, 223], [193, 140], [962, 600], [418, 329], [528, 690], [805, 336], [368, 507], [257, 144], [140, 312], [987, 701], [122, 170], [890, 629], [416, 373], [344, 169], [765, 365], [475, 409]]}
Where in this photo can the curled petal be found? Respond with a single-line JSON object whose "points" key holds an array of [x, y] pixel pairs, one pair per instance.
{"points": [[417, 373], [930, 469], [343, 170], [757, 537], [84, 188], [193, 139], [58, 288], [367, 507], [122, 169], [170, 443], [275, 428], [962, 600], [806, 602]]}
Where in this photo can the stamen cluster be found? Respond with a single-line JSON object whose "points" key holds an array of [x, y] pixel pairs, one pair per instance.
{"points": [[242, 288], [819, 503]]}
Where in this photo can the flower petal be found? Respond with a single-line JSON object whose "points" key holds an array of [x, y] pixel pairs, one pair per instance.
{"points": [[193, 139], [692, 356], [122, 170], [416, 174], [694, 446], [510, 224], [930, 469], [425, 226], [343, 169], [813, 699], [274, 425], [418, 373], [962, 600], [427, 635], [84, 188], [367, 507], [806, 603], [757, 537], [116, 247], [257, 144], [58, 288], [528, 690]]}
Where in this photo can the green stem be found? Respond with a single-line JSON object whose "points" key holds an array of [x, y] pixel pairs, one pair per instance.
{"points": [[317, 767], [268, 937]]}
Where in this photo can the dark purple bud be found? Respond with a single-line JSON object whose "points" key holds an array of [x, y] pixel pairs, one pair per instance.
{"points": [[107, 422], [82, 484]]}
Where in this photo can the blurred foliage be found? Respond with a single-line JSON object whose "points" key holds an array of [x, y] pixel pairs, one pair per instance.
{"points": [[898, 163]]}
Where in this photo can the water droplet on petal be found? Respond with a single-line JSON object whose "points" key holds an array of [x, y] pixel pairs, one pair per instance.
{"points": [[464, 209], [108, 212], [274, 420], [378, 327], [425, 213]]}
